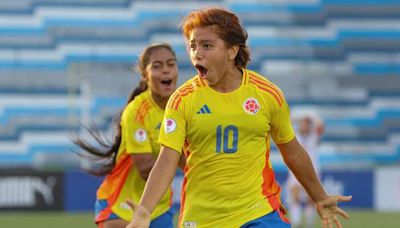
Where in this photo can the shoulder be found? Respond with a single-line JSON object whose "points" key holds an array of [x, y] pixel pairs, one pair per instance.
{"points": [[261, 81], [265, 86], [138, 107], [185, 91], [139, 101], [190, 86]]}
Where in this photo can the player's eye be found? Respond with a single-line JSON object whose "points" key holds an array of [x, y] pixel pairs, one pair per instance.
{"points": [[156, 66], [207, 46]]}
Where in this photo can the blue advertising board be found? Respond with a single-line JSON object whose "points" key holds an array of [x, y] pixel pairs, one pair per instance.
{"points": [[358, 183], [80, 191], [80, 188]]}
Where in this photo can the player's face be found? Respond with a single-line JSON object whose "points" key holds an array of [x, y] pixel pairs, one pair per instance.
{"points": [[162, 72], [305, 126], [209, 54]]}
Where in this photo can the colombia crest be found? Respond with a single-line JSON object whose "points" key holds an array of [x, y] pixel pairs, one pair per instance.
{"points": [[251, 106]]}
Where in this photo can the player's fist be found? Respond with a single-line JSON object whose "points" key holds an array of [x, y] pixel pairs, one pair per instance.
{"points": [[141, 216]]}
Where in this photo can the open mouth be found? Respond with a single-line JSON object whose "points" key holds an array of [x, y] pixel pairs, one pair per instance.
{"points": [[202, 70], [166, 82]]}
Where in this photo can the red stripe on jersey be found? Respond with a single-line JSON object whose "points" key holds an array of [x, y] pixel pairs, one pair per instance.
{"points": [[142, 112], [262, 82], [185, 89], [186, 92], [199, 82], [178, 101], [183, 194], [267, 89], [141, 109], [172, 100], [114, 182], [270, 188], [183, 94], [177, 98], [282, 215]]}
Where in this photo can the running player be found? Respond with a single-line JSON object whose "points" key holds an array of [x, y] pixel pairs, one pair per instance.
{"points": [[135, 148], [224, 119]]}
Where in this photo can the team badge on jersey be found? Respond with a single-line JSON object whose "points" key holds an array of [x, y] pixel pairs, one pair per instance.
{"points": [[170, 125], [251, 106], [140, 135]]}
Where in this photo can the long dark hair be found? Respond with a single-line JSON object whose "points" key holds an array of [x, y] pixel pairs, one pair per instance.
{"points": [[106, 156]]}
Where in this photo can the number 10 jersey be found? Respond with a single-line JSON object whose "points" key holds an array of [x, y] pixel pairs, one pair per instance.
{"points": [[226, 138]]}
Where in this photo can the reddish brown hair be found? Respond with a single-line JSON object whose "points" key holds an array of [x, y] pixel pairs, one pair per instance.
{"points": [[229, 30]]}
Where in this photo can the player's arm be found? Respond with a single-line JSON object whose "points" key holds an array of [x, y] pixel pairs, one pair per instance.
{"points": [[143, 163], [160, 177], [159, 180], [298, 161]]}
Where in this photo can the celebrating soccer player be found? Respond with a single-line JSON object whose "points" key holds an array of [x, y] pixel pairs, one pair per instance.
{"points": [[135, 148], [223, 120]]}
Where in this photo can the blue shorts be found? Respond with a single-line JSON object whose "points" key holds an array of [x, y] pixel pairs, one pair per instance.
{"points": [[272, 219], [165, 220], [100, 213]]}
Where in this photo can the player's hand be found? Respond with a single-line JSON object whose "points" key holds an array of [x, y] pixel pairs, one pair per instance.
{"points": [[141, 216], [328, 210]]}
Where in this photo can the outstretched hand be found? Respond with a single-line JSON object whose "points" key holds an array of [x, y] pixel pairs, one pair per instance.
{"points": [[328, 210], [141, 216]]}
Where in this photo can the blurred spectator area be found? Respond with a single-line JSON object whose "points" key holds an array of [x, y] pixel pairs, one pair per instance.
{"points": [[66, 62]]}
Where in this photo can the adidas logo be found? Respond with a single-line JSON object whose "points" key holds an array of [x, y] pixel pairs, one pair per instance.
{"points": [[204, 110]]}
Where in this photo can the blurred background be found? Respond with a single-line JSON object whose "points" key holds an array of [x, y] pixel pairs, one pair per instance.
{"points": [[66, 62]]}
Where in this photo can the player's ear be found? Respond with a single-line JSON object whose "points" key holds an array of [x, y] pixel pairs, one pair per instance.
{"points": [[144, 77], [232, 52]]}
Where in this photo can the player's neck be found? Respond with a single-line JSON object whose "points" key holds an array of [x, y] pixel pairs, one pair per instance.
{"points": [[229, 82], [160, 101]]}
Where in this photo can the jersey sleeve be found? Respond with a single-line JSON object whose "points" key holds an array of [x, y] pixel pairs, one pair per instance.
{"points": [[173, 129], [134, 132], [281, 125]]}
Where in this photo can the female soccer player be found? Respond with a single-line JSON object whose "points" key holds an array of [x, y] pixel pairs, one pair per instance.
{"points": [[223, 119], [135, 148]]}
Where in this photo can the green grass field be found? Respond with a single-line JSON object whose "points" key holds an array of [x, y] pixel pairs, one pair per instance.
{"points": [[365, 219]]}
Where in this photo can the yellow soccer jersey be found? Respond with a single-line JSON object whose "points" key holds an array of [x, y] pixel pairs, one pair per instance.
{"points": [[226, 137], [140, 122]]}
